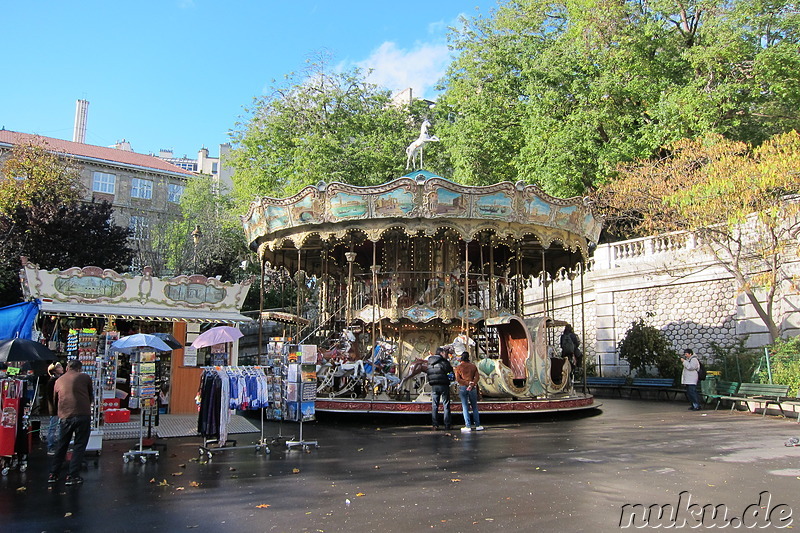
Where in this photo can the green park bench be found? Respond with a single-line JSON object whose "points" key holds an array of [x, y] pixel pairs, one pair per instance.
{"points": [[722, 389], [758, 392], [596, 382], [794, 402], [665, 385]]}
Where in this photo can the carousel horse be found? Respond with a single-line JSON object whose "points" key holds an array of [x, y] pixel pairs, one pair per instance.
{"points": [[415, 148], [415, 368]]}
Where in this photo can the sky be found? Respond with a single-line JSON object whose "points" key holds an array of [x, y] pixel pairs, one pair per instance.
{"points": [[180, 74]]}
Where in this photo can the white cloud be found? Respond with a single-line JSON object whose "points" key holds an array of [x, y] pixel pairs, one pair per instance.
{"points": [[397, 68]]}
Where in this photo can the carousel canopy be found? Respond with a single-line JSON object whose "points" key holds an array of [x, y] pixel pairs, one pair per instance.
{"points": [[420, 203]]}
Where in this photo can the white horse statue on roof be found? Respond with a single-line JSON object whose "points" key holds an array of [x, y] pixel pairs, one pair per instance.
{"points": [[414, 149]]}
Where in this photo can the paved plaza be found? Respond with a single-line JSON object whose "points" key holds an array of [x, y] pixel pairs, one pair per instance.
{"points": [[565, 473]]}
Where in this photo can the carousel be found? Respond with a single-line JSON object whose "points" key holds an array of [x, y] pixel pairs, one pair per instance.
{"points": [[384, 275]]}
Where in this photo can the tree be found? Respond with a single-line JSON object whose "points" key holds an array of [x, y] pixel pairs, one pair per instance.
{"points": [[740, 202], [560, 92], [220, 247], [42, 218], [644, 347], [320, 125]]}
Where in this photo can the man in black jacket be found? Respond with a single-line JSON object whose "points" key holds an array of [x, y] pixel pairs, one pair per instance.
{"points": [[438, 370]]}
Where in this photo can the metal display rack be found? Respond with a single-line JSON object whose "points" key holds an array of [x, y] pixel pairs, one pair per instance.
{"points": [[300, 390], [143, 396]]}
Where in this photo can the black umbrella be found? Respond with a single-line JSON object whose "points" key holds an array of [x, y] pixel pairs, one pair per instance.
{"points": [[24, 350], [169, 340]]}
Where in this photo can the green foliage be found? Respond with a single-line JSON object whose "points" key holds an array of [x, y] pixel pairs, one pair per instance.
{"points": [[321, 125], [43, 219], [784, 361], [735, 362], [560, 92], [220, 248], [32, 175], [644, 347]]}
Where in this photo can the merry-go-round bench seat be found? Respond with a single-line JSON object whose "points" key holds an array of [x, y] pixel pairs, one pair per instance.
{"points": [[665, 385], [763, 393]]}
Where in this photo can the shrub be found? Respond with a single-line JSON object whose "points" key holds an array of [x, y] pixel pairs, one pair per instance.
{"points": [[644, 347], [735, 362], [784, 359]]}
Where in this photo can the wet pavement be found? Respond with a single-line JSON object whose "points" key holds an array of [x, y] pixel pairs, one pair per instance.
{"points": [[542, 473]]}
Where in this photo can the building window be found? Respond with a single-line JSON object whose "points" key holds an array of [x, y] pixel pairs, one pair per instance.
{"points": [[174, 193], [141, 188], [105, 183], [214, 168], [140, 228]]}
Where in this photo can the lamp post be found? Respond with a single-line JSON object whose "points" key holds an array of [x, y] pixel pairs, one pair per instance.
{"points": [[196, 234]]}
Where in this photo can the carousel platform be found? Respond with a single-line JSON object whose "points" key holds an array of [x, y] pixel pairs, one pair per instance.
{"points": [[422, 405]]}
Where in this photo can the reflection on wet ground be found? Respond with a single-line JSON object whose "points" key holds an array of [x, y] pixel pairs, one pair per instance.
{"points": [[569, 473]]}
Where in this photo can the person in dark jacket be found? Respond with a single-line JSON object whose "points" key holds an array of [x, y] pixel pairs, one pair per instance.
{"points": [[55, 370], [570, 347], [438, 370], [73, 398]]}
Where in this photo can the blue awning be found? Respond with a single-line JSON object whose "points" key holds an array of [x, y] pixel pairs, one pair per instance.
{"points": [[16, 321]]}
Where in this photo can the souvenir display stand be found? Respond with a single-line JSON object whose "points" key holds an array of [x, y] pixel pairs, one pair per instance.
{"points": [[82, 344], [143, 397], [301, 390]]}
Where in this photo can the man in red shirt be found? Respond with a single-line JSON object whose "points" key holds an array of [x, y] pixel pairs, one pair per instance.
{"points": [[73, 398]]}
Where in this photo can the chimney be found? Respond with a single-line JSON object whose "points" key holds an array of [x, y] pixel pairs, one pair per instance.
{"points": [[81, 111]]}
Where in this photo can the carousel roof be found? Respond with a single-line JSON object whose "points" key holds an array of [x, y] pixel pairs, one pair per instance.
{"points": [[420, 202]]}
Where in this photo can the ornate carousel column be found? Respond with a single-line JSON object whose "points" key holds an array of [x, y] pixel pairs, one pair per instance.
{"points": [[350, 256]]}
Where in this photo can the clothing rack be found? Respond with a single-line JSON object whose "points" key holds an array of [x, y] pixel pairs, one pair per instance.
{"points": [[232, 387]]}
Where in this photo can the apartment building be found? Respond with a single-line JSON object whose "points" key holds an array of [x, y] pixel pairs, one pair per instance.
{"points": [[144, 190]]}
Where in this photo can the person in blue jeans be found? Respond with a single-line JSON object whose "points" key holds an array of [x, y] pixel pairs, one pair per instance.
{"points": [[467, 379], [55, 371], [439, 369], [73, 397], [689, 377]]}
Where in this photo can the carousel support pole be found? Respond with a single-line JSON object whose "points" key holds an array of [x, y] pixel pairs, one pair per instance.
{"points": [[299, 294], [350, 256], [519, 285], [492, 287], [261, 309], [466, 288], [375, 294], [583, 327], [544, 287]]}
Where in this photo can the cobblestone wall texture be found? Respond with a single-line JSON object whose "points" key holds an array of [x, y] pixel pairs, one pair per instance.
{"points": [[690, 315]]}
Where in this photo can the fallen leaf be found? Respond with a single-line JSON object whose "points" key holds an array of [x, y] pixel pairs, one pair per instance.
{"points": [[177, 473], [182, 465], [194, 484], [163, 484], [360, 449], [152, 480], [295, 470], [454, 480], [377, 467], [67, 515], [262, 506], [232, 469], [22, 489], [360, 494], [179, 488]]}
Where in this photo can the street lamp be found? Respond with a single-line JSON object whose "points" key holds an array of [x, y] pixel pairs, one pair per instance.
{"points": [[196, 234]]}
